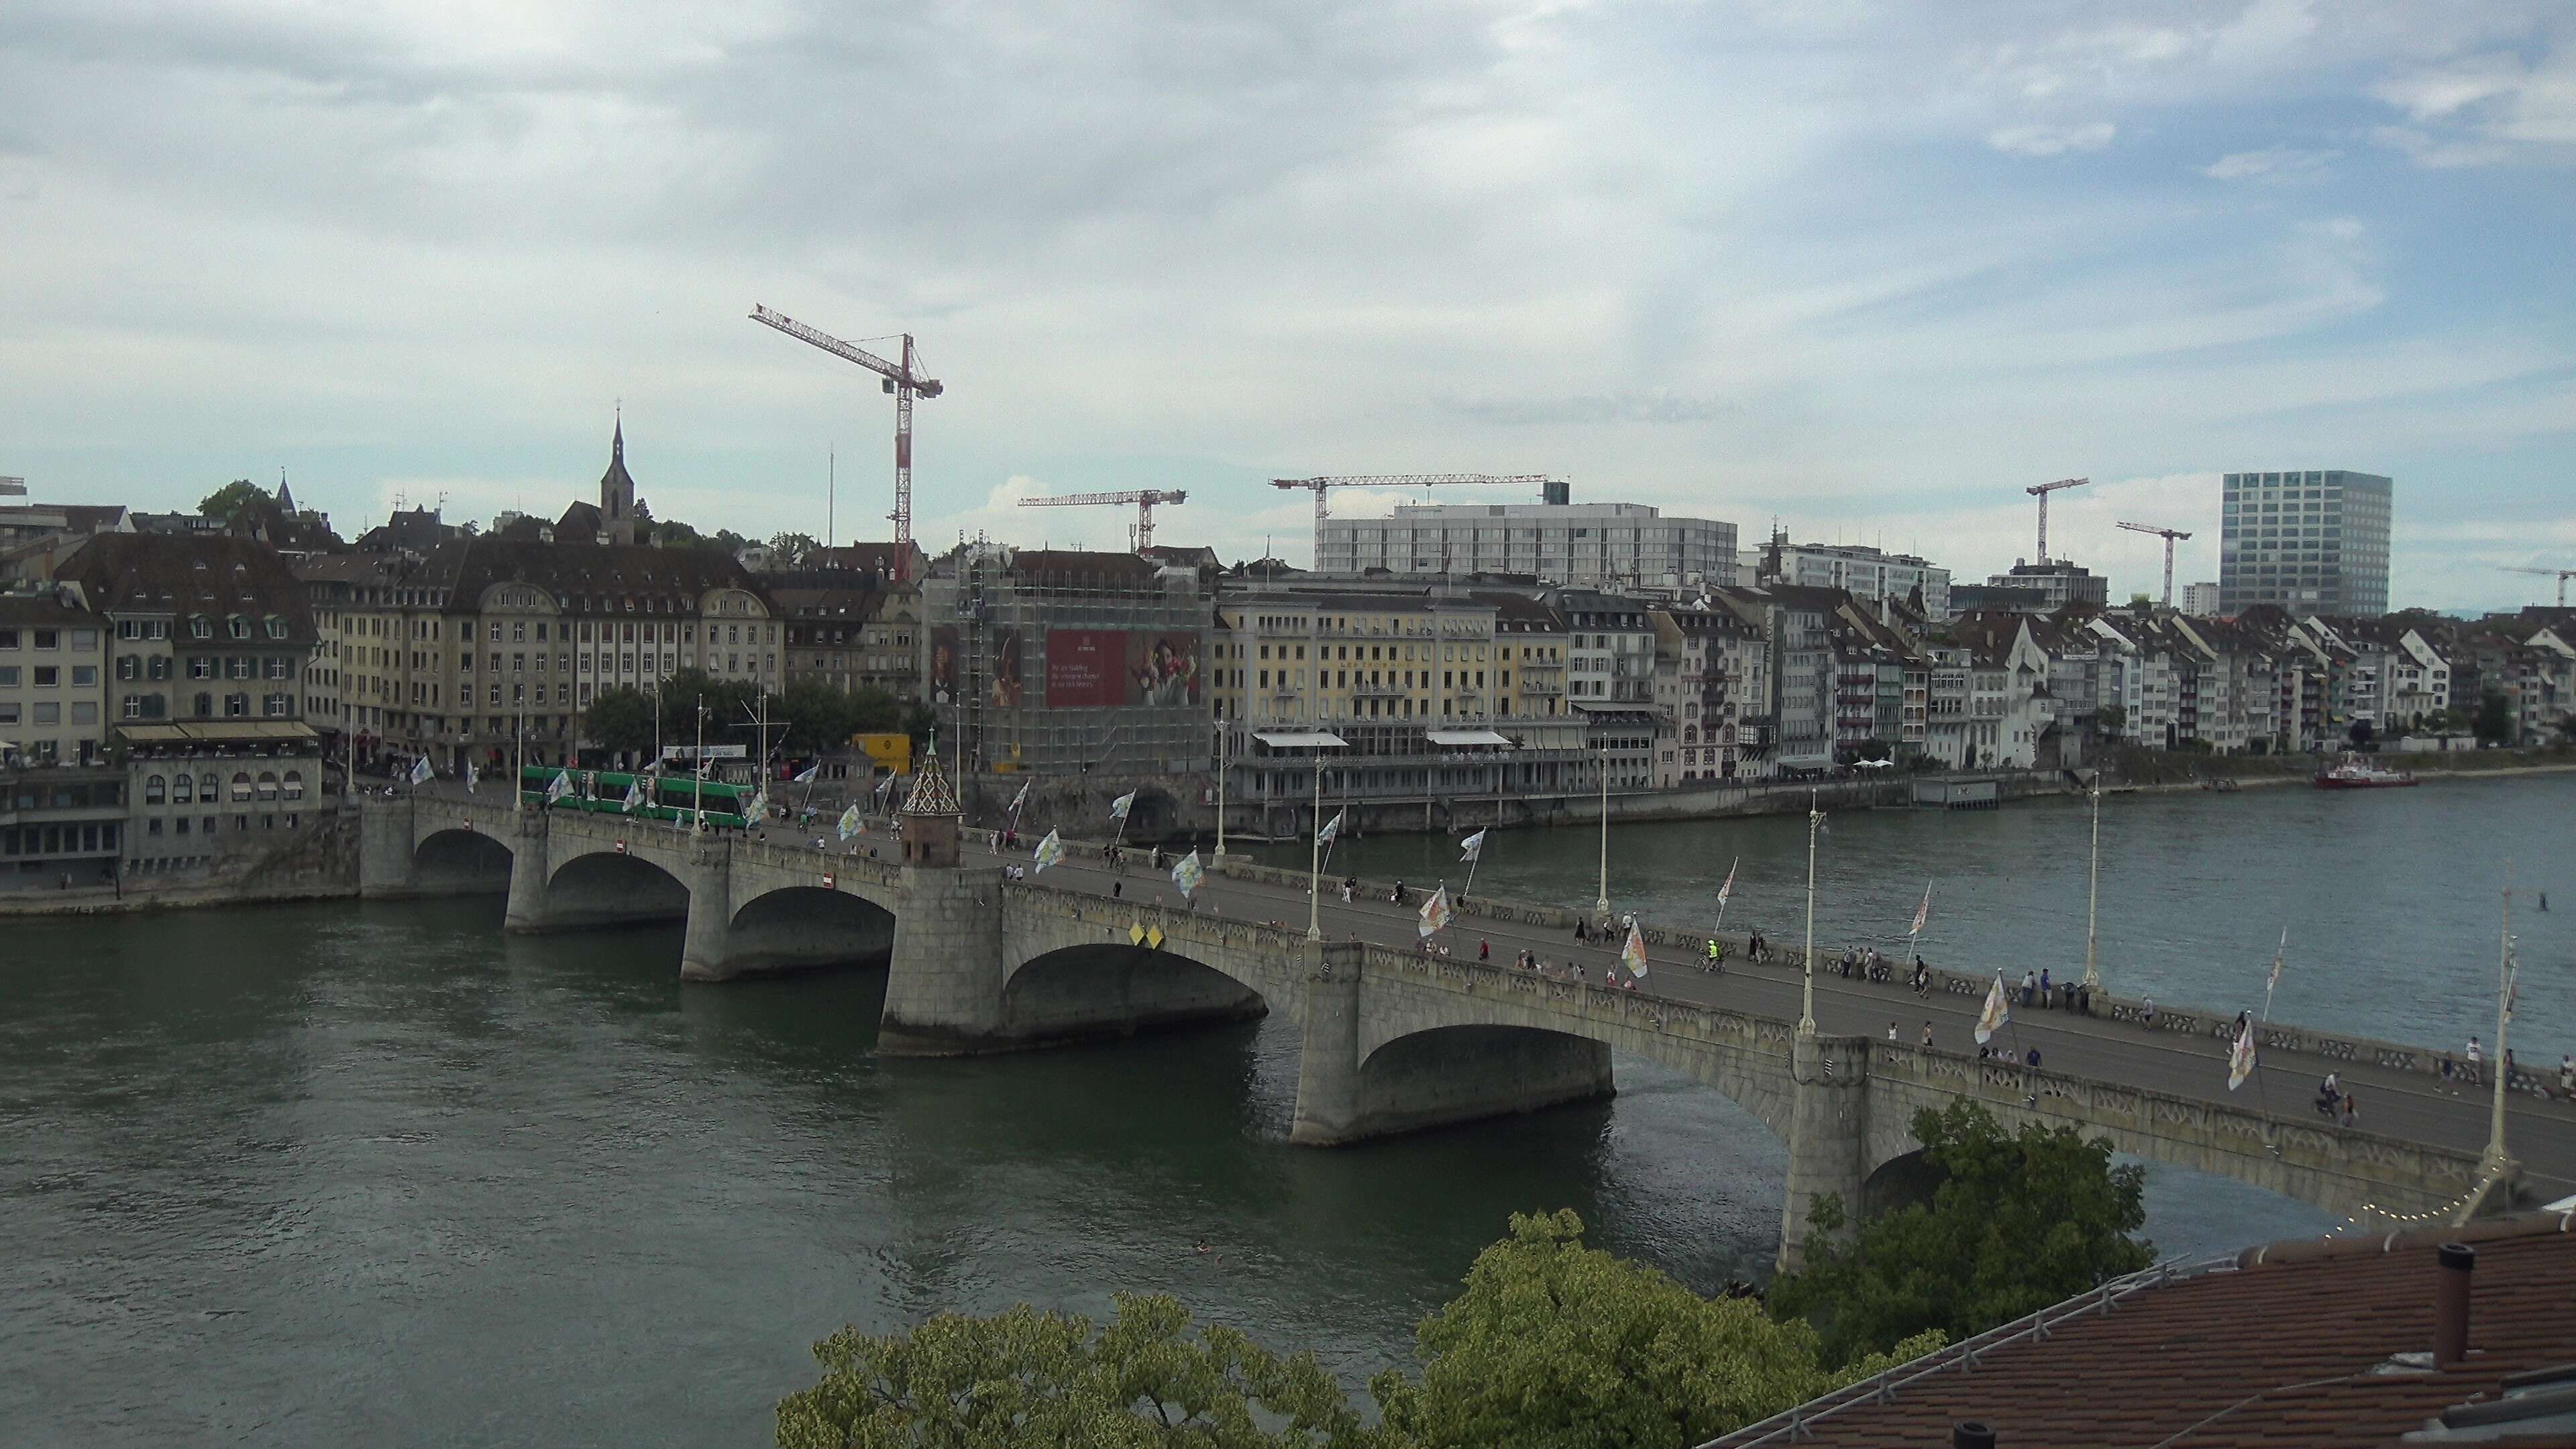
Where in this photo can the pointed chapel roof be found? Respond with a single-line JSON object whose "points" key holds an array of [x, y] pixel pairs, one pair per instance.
{"points": [[930, 792]]}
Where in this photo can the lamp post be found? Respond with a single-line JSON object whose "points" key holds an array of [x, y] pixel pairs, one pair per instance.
{"points": [[1601, 902], [698, 772], [1221, 733], [2495, 1154], [1807, 1010], [1315, 860], [2093, 909]]}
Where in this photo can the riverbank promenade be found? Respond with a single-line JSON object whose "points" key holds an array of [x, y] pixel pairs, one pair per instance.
{"points": [[988, 954]]}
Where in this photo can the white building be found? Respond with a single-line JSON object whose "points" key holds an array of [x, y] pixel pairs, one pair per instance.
{"points": [[2200, 600], [1596, 545], [1866, 573]]}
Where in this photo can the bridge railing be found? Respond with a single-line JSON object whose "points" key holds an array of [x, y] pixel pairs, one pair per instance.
{"points": [[2333, 1049], [1698, 1021]]}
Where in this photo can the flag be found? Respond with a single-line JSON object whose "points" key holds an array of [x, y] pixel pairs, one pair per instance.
{"points": [[2512, 988], [1050, 851], [1473, 847], [1997, 1012], [759, 806], [1435, 912], [2273, 982], [849, 822], [1633, 954], [1332, 830], [2240, 1058], [471, 777], [806, 775], [1119, 807], [634, 794], [421, 773], [1728, 889], [558, 787], [1188, 873], [1922, 912], [1022, 798], [885, 785]]}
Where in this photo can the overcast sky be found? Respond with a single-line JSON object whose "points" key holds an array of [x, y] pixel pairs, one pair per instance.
{"points": [[1868, 268]]}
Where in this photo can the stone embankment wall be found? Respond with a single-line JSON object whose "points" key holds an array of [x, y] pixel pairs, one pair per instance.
{"points": [[318, 861]]}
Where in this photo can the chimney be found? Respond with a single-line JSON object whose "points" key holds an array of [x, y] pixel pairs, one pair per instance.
{"points": [[2451, 1303], [1971, 1434]]}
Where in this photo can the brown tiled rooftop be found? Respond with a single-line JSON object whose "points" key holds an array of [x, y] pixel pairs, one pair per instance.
{"points": [[2291, 1345]]}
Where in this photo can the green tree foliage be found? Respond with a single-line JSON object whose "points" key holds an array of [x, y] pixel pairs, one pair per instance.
{"points": [[728, 702], [2494, 722], [2112, 719], [819, 717], [792, 548], [1026, 1378], [620, 719], [231, 499], [1554, 1345], [2020, 1221]]}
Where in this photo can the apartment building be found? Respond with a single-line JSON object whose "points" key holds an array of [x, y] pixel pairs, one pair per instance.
{"points": [[1590, 545], [1871, 575], [850, 631], [53, 667], [206, 628]]}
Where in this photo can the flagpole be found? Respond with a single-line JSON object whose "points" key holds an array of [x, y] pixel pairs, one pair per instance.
{"points": [[519, 776], [1315, 861], [1472, 862], [1222, 733], [1725, 891], [1601, 904], [698, 775], [2495, 1154], [2093, 906], [1807, 1015]]}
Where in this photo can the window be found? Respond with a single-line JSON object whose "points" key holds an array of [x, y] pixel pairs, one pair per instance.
{"points": [[129, 666], [156, 789], [237, 626], [182, 792], [241, 786], [295, 784], [276, 628], [205, 706], [236, 706], [201, 627], [48, 675]]}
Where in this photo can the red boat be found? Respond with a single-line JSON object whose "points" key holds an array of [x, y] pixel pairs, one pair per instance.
{"points": [[2356, 773]]}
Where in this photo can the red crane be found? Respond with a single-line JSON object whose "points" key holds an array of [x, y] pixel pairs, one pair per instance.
{"points": [[1143, 498], [2168, 535], [903, 380], [2041, 491]]}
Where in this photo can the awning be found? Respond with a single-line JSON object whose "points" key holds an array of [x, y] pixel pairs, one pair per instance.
{"points": [[243, 732], [1301, 739], [1465, 737]]}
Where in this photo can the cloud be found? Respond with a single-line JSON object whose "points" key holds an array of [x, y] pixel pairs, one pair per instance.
{"points": [[2278, 165], [2484, 109], [2050, 140]]}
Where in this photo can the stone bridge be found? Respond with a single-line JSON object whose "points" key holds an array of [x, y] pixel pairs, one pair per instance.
{"points": [[1392, 1041]]}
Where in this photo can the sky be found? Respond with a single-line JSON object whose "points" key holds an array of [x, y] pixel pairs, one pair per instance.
{"points": [[1865, 269]]}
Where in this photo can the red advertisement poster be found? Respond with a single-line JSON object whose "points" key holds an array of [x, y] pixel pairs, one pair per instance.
{"points": [[1086, 668]]}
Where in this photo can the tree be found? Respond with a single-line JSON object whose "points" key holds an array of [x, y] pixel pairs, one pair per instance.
{"points": [[1554, 1345], [1027, 1378], [2112, 719], [620, 719], [2494, 724], [2362, 732], [228, 501], [792, 548], [2020, 1221]]}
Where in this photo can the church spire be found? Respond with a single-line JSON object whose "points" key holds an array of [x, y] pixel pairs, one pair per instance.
{"points": [[285, 495], [617, 439]]}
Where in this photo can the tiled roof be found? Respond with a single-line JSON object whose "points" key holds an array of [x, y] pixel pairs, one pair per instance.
{"points": [[596, 577], [215, 575], [2293, 1345], [43, 609]]}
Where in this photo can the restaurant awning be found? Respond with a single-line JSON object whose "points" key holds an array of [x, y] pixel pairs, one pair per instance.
{"points": [[1301, 739], [234, 732], [1465, 737]]}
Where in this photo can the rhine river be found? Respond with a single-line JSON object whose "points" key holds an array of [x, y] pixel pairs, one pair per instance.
{"points": [[340, 1173]]}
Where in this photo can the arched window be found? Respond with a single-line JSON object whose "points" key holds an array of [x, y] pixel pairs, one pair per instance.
{"points": [[183, 789], [241, 785], [295, 784], [209, 789], [156, 789], [1690, 734], [268, 784]]}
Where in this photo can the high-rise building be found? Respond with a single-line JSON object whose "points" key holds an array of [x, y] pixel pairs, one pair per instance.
{"points": [[1596, 545], [2311, 543], [2200, 601]]}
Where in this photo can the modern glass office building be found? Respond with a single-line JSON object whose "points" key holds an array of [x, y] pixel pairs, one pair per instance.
{"points": [[2310, 542]]}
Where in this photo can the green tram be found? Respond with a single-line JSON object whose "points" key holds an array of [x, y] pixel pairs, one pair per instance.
{"points": [[603, 792]]}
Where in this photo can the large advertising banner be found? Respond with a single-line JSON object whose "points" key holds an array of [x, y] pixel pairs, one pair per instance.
{"points": [[1085, 668], [1005, 690], [1107, 668], [943, 663]]}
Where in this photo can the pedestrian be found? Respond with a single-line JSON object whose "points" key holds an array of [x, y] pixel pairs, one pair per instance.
{"points": [[2034, 1056], [2045, 990], [2566, 1078], [1891, 1031], [2029, 984], [1927, 1033], [2450, 1076], [2148, 1004], [2350, 1112], [2477, 1057], [1484, 951], [1117, 889]]}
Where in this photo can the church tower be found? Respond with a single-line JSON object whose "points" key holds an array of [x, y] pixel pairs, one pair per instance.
{"points": [[617, 491]]}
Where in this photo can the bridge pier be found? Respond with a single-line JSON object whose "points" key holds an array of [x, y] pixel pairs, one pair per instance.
{"points": [[1828, 1133], [1328, 1064], [944, 982], [387, 868], [529, 874], [708, 952]]}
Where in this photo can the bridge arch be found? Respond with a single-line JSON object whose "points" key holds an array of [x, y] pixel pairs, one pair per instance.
{"points": [[799, 927], [1114, 988], [461, 861], [612, 888], [1446, 1074]]}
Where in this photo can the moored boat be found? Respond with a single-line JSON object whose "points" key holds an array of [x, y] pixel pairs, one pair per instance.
{"points": [[2356, 773]]}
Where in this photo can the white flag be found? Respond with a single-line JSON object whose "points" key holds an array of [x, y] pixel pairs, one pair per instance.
{"points": [[1119, 807], [1022, 798], [759, 805], [1050, 851], [1435, 912], [1332, 830], [2240, 1058], [1473, 847], [1632, 954], [1188, 874], [559, 786], [850, 822], [1922, 912], [1728, 889], [806, 775], [421, 773], [634, 794], [1997, 1012], [471, 777], [885, 785]]}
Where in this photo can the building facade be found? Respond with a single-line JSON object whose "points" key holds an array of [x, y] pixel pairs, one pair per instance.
{"points": [[1865, 573], [53, 667], [1595, 545], [2311, 542]]}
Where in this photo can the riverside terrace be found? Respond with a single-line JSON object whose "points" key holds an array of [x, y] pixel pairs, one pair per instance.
{"points": [[1394, 1040]]}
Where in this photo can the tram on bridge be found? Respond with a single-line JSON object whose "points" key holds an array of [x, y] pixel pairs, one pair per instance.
{"points": [[603, 792]]}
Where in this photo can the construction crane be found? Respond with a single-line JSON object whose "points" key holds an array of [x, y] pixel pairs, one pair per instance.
{"points": [[1143, 498], [903, 380], [2041, 491], [2562, 575], [1399, 480], [2169, 535]]}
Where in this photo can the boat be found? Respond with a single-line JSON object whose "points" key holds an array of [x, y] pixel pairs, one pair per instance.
{"points": [[2355, 773]]}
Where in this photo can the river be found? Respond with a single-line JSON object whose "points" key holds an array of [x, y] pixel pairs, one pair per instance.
{"points": [[341, 1173]]}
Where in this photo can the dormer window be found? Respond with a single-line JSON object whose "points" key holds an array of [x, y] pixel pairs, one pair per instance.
{"points": [[237, 626], [276, 628], [201, 627]]}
